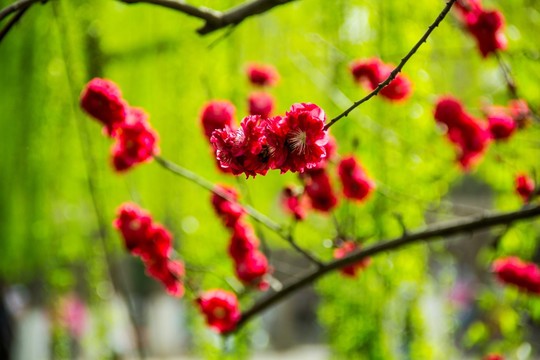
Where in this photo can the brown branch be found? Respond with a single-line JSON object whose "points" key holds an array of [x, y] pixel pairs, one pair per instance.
{"points": [[216, 19], [429, 234], [12, 22], [16, 6], [394, 72]]}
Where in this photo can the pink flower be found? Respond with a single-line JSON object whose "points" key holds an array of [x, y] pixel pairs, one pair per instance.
{"points": [[102, 99], [217, 114], [470, 136], [356, 183], [243, 150], [524, 275], [501, 125], [369, 73], [296, 142], [136, 141], [294, 203], [229, 211], [243, 241], [525, 187], [347, 248], [262, 74], [261, 103], [251, 268], [319, 190], [221, 310]]}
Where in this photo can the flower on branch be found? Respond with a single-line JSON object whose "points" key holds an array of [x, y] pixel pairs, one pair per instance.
{"points": [[217, 114], [371, 72], [261, 103], [102, 99], [262, 74], [228, 210], [501, 123], [512, 270], [347, 248], [153, 243], [318, 188], [294, 203], [221, 310], [356, 183], [524, 187]]}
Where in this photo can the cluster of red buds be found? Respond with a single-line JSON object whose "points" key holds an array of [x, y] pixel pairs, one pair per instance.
{"points": [[251, 265], [221, 310], [512, 270], [261, 102], [369, 73], [136, 141], [486, 26], [152, 242]]}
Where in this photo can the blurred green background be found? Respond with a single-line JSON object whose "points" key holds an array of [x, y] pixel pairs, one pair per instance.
{"points": [[48, 227]]}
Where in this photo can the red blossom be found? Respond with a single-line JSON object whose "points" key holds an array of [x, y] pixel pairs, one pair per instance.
{"points": [[102, 99], [294, 203], [501, 124], [217, 114], [243, 241], [297, 141], [262, 74], [356, 183], [136, 141], [319, 190], [371, 72], [345, 249], [244, 150], [261, 103], [221, 310], [493, 357], [470, 136], [134, 224], [169, 272], [229, 211], [251, 268], [524, 187], [513, 270], [519, 110]]}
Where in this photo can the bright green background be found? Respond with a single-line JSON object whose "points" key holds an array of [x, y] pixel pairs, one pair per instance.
{"points": [[48, 228]]}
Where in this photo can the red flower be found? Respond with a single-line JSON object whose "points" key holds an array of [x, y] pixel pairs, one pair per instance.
{"points": [[345, 249], [262, 74], [371, 72], [469, 135], [243, 241], [501, 125], [356, 183], [169, 272], [217, 114], [294, 203], [261, 103], [525, 187], [136, 141], [134, 224], [493, 357], [319, 190], [251, 268], [520, 112], [102, 99], [524, 275], [296, 142], [243, 150], [221, 310], [229, 211]]}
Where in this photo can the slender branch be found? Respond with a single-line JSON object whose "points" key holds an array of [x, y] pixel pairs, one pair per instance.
{"points": [[429, 234], [214, 19], [16, 6], [394, 72], [13, 21], [510, 83]]}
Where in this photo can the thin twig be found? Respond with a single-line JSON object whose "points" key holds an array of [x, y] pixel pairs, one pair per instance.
{"points": [[16, 6], [394, 72], [431, 233], [510, 83], [214, 19], [12, 22]]}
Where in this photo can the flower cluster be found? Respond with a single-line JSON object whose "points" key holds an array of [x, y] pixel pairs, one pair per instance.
{"points": [[524, 275], [356, 184], [487, 26], [136, 141], [294, 142], [470, 136], [221, 309], [346, 248], [504, 121], [251, 265], [152, 242], [371, 72], [525, 187]]}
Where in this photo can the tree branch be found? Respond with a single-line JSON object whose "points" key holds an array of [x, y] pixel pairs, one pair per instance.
{"points": [[12, 22], [394, 72], [16, 6], [429, 234], [216, 19]]}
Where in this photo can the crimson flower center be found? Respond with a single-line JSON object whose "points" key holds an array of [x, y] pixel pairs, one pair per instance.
{"points": [[297, 140]]}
